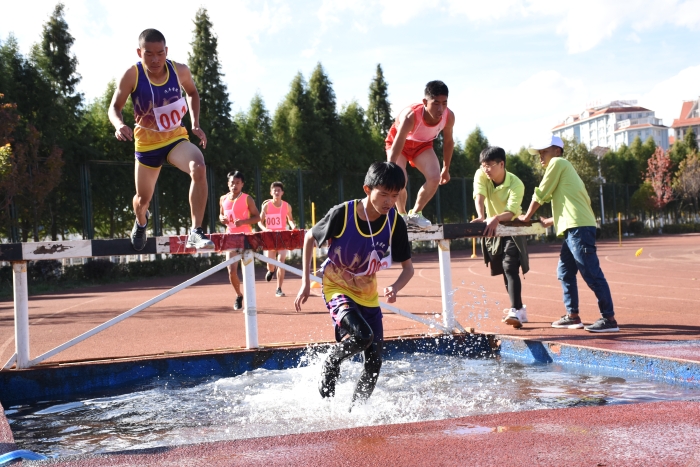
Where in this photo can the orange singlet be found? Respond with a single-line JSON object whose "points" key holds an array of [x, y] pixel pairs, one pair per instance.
{"points": [[421, 136], [236, 209]]}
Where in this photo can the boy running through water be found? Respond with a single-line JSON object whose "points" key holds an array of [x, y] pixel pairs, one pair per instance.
{"points": [[364, 237], [274, 215], [154, 85], [498, 195], [238, 212], [411, 139], [572, 218]]}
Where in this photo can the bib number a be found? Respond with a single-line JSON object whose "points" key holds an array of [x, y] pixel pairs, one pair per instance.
{"points": [[169, 117]]}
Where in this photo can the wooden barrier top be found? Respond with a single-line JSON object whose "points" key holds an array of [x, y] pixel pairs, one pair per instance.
{"points": [[270, 240]]}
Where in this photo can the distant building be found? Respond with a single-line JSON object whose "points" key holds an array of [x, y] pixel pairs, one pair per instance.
{"points": [[690, 118], [613, 125]]}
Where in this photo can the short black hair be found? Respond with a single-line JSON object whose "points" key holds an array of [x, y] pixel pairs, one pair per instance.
{"points": [[387, 175], [235, 174], [151, 35], [492, 154], [277, 184], [436, 88]]}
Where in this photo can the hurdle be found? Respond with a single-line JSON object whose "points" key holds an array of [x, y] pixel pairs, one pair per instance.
{"points": [[246, 248]]}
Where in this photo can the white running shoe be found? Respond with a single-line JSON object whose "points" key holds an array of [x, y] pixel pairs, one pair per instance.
{"points": [[522, 314], [512, 318], [417, 219]]}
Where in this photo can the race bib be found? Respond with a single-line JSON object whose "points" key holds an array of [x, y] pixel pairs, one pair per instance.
{"points": [[169, 117], [376, 264], [274, 221]]}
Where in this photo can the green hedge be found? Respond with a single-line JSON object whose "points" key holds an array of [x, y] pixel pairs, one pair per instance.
{"points": [[680, 228]]}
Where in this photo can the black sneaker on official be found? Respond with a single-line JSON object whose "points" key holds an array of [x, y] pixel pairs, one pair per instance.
{"points": [[198, 240], [238, 304], [268, 276], [567, 322], [603, 325], [139, 235], [279, 292]]}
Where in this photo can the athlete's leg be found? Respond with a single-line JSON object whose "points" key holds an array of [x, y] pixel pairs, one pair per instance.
{"points": [[427, 162], [233, 274], [280, 272], [145, 178], [271, 254], [188, 158], [403, 195]]}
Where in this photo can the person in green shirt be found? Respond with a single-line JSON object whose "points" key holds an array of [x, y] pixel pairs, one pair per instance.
{"points": [[572, 218], [498, 195]]}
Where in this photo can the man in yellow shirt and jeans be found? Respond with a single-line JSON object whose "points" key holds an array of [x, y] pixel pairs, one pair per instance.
{"points": [[498, 194], [573, 218]]}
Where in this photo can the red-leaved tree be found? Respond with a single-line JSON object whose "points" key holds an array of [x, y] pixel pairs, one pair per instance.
{"points": [[659, 176]]}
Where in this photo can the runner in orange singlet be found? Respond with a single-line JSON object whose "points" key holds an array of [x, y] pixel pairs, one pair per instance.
{"points": [[238, 212], [411, 139], [274, 215]]}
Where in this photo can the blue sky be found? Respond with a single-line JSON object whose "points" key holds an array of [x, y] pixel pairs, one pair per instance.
{"points": [[514, 67]]}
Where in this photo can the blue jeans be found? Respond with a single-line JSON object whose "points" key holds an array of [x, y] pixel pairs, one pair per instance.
{"points": [[578, 254]]}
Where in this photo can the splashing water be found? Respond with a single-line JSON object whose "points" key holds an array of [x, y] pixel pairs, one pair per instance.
{"points": [[411, 388]]}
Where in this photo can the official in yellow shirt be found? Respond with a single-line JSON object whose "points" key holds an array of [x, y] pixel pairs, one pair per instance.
{"points": [[574, 219]]}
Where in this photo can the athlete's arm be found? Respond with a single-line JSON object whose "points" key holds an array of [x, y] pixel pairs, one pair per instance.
{"points": [[290, 219], [448, 146], [305, 289], [190, 88], [405, 276], [222, 217], [121, 94], [262, 221], [405, 127], [254, 214], [534, 206]]}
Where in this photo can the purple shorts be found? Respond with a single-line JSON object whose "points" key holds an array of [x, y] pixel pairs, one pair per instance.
{"points": [[157, 157], [340, 305]]}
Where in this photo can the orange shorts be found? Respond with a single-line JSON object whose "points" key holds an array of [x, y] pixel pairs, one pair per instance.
{"points": [[411, 149]]}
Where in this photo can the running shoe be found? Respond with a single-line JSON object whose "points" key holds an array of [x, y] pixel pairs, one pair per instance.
{"points": [[603, 325], [269, 275], [279, 292], [567, 322], [198, 240], [238, 304], [512, 318], [139, 234], [417, 219]]}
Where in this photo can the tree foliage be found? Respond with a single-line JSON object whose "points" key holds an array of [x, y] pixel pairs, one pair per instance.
{"points": [[379, 108], [659, 177]]}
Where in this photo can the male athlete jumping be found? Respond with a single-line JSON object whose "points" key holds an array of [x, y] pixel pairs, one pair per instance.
{"points": [[154, 85], [411, 139]]}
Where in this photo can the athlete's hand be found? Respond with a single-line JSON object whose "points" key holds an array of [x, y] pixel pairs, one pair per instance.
{"points": [[303, 294], [390, 294], [444, 176], [223, 219], [478, 219], [491, 225], [547, 221], [523, 218], [124, 133], [200, 134]]}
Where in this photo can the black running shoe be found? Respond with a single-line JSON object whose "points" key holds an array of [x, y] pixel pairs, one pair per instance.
{"points": [[603, 325], [139, 234], [567, 322], [238, 304], [198, 240], [269, 275]]}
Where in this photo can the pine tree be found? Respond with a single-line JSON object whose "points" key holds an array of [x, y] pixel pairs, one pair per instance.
{"points": [[53, 55], [323, 129], [255, 134], [215, 105], [690, 140], [290, 126], [379, 108], [475, 143]]}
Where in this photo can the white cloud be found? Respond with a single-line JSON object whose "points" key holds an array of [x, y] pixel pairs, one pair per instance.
{"points": [[666, 97], [398, 12]]}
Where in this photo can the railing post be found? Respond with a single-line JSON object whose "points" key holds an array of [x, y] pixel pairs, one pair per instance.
{"points": [[21, 293], [302, 224], [250, 308], [448, 312], [465, 216]]}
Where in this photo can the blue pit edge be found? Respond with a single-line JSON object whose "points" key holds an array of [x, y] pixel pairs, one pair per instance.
{"points": [[82, 379]]}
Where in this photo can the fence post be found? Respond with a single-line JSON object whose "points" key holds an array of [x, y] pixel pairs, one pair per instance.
{"points": [[409, 205], [438, 212], [258, 185], [302, 224], [465, 216], [155, 207], [250, 308], [21, 292], [14, 231], [341, 195], [448, 314], [212, 205], [86, 198]]}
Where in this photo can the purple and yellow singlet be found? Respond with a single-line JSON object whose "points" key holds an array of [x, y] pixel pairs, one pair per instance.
{"points": [[158, 109], [354, 259]]}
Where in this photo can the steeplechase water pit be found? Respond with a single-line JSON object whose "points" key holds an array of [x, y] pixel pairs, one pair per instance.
{"points": [[429, 378], [114, 406]]}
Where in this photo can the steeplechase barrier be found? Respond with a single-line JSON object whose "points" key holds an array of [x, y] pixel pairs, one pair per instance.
{"points": [[246, 247]]}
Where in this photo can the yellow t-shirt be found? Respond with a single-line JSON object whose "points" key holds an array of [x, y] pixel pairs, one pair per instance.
{"points": [[508, 196]]}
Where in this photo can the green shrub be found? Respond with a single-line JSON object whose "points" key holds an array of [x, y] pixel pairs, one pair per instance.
{"points": [[680, 228]]}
